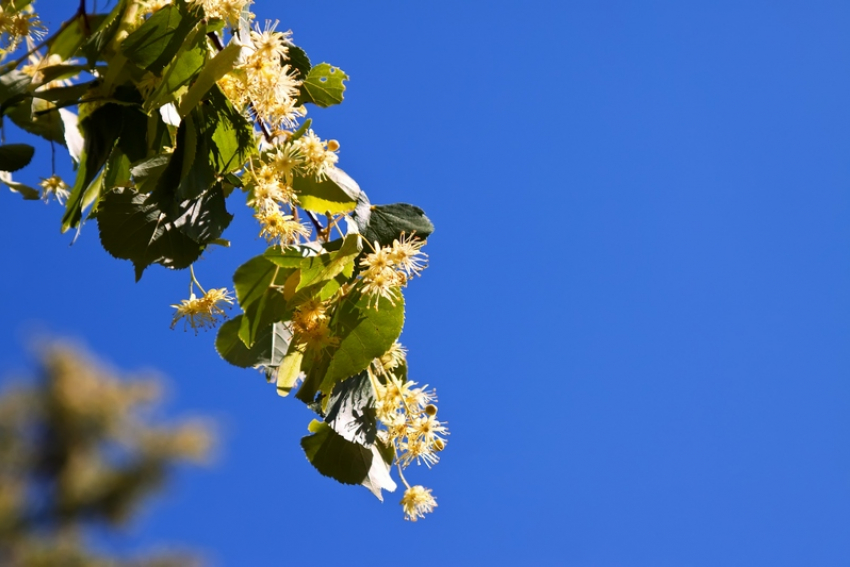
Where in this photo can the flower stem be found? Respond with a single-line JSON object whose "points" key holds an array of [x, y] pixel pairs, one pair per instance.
{"points": [[195, 280]]}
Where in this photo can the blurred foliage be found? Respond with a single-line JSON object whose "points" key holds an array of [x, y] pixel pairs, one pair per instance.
{"points": [[80, 448]]}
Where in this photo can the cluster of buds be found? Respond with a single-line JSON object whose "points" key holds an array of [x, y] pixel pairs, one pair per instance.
{"points": [[409, 416], [202, 312], [391, 267]]}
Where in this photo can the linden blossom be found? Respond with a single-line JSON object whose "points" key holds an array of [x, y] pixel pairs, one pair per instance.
{"points": [[417, 502], [390, 267], [202, 312], [54, 188]]}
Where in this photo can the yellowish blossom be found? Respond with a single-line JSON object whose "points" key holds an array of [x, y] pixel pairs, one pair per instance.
{"points": [[279, 228], [228, 10], [54, 188], [416, 502], [202, 312], [318, 157]]}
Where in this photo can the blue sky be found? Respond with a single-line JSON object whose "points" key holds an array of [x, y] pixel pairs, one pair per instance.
{"points": [[636, 316]]}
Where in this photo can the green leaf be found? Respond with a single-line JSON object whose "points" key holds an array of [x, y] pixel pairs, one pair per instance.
{"points": [[197, 173], [133, 226], [59, 72], [301, 130], [298, 60], [232, 136], [320, 269], [63, 95], [154, 44], [323, 86], [289, 257], [116, 173], [351, 410], [14, 87], [184, 67], [215, 69], [93, 48], [204, 219], [385, 223], [107, 125], [336, 194], [333, 456], [38, 117], [269, 349], [262, 303], [15, 156], [365, 332], [290, 370], [67, 42]]}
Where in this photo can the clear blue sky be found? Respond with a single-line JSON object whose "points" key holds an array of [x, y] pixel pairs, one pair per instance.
{"points": [[637, 314]]}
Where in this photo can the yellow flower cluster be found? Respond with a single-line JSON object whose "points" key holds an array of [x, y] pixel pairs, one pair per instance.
{"points": [[17, 27], [228, 10], [317, 156], [409, 415], [417, 502], [278, 228], [391, 267], [270, 180], [202, 312], [264, 81], [310, 325]]}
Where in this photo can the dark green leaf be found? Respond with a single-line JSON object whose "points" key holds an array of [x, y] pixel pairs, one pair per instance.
{"points": [[134, 227], [101, 129], [299, 61], [323, 86], [183, 67], [385, 223], [232, 135], [15, 156], [14, 87], [268, 350], [205, 218], [336, 194], [333, 456], [153, 45], [93, 48], [197, 173]]}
